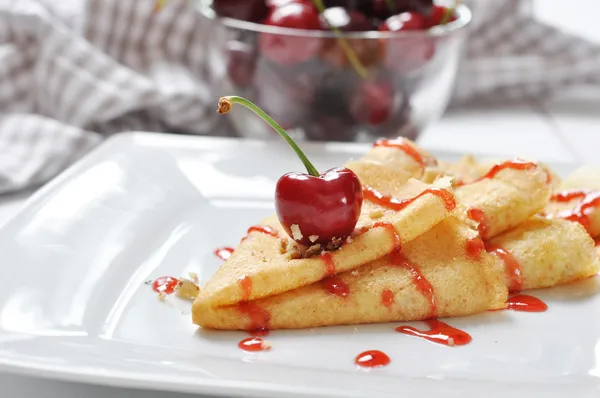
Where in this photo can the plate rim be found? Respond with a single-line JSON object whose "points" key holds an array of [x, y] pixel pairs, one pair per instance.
{"points": [[185, 383]]}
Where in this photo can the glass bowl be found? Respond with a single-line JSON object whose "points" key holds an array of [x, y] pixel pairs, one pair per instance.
{"points": [[304, 80]]}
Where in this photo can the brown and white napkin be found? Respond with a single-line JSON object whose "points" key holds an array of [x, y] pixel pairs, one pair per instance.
{"points": [[74, 72]]}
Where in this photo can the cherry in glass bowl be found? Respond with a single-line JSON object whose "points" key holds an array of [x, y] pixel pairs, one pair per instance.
{"points": [[304, 79]]}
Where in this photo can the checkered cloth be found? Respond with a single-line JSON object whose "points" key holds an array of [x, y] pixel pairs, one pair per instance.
{"points": [[74, 72]]}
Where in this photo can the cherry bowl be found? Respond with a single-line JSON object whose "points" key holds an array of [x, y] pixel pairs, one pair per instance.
{"points": [[397, 84]]}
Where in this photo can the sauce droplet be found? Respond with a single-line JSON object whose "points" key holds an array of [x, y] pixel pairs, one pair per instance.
{"points": [[246, 286], [478, 216], [408, 149], [253, 344], [525, 303], [439, 332], [372, 195], [259, 317], [387, 298], [329, 264], [475, 247], [165, 284], [580, 213], [224, 253], [511, 266], [372, 359], [334, 285]]}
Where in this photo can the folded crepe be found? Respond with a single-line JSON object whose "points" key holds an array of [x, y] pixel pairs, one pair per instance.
{"points": [[579, 199], [433, 276], [545, 252], [538, 252], [394, 211], [502, 199]]}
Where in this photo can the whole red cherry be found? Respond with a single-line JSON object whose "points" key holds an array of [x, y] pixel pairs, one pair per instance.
{"points": [[272, 4], [372, 102], [404, 21], [440, 15], [344, 20], [311, 207], [290, 49], [317, 209], [407, 54]]}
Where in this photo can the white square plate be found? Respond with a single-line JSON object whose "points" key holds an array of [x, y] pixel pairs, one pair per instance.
{"points": [[73, 303]]}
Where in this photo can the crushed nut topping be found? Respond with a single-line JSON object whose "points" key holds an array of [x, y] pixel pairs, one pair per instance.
{"points": [[186, 289], [313, 250], [334, 244], [313, 238], [296, 233], [265, 345]]}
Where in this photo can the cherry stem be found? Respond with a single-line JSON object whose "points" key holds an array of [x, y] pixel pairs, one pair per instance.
{"points": [[225, 105], [352, 57], [449, 12]]}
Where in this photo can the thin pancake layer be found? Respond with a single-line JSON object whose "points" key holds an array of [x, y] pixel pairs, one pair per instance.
{"points": [[504, 201], [264, 265], [542, 253], [438, 279]]}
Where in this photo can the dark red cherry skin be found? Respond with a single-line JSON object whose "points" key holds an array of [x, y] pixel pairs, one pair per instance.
{"points": [[437, 15], [372, 102], [241, 63], [287, 49], [403, 22], [325, 207], [407, 54], [344, 20], [246, 10]]}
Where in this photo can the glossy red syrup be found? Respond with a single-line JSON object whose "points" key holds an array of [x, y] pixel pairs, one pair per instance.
{"points": [[511, 266], [588, 201], [406, 148], [329, 264], [475, 247], [567, 196], [421, 283], [387, 298], [224, 252], [478, 216], [246, 286], [165, 284], [525, 303], [439, 332], [397, 258], [372, 359], [259, 317], [252, 344], [263, 229], [516, 164], [336, 286], [372, 195]]}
